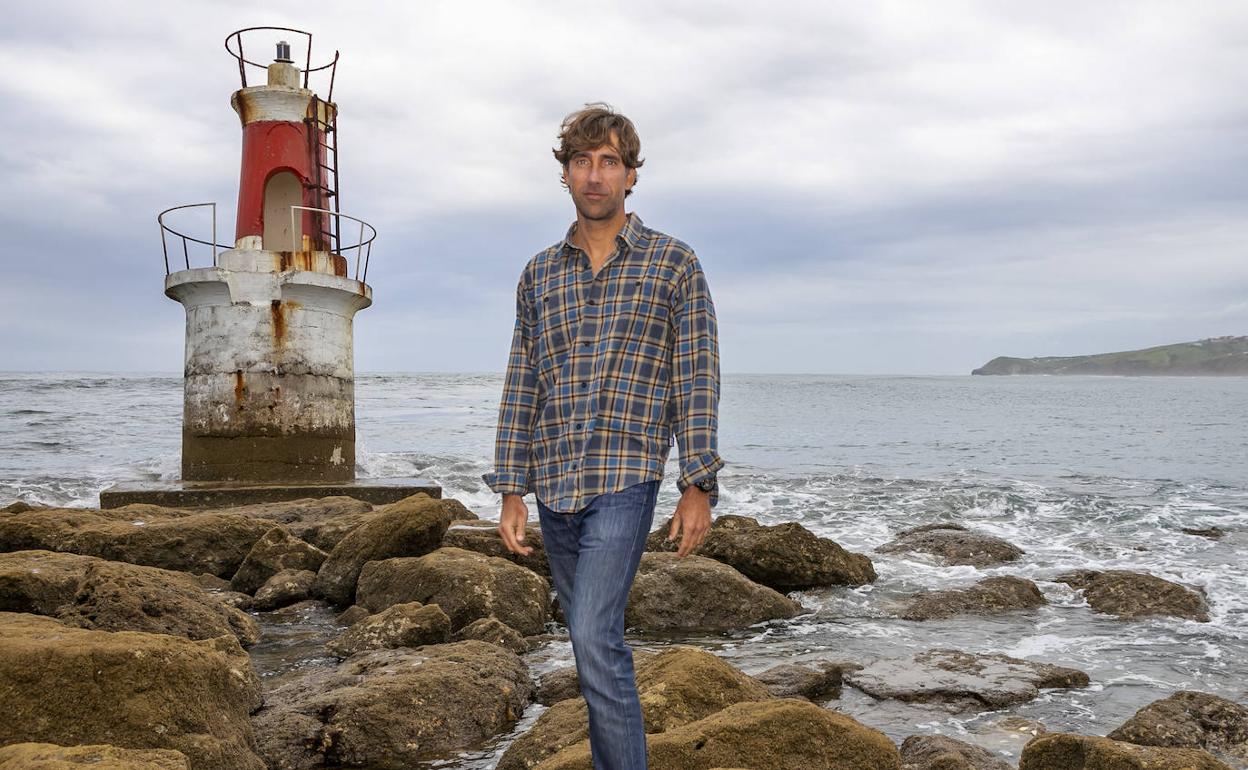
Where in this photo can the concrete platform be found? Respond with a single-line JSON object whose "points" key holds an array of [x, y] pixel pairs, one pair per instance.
{"points": [[218, 494]]}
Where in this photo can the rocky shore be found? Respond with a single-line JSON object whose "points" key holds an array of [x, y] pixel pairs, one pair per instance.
{"points": [[127, 640]]}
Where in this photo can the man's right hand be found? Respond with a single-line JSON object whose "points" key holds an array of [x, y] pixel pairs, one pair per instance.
{"points": [[512, 523]]}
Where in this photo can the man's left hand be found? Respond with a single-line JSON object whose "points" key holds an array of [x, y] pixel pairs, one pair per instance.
{"points": [[692, 520]]}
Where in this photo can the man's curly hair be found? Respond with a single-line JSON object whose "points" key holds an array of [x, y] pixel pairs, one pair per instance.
{"points": [[591, 128]]}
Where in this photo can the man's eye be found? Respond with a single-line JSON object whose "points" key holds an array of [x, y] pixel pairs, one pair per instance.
{"points": [[581, 161]]}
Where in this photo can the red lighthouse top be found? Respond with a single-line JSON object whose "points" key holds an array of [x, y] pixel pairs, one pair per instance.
{"points": [[289, 176]]}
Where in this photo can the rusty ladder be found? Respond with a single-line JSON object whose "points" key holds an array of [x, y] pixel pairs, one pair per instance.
{"points": [[325, 180]]}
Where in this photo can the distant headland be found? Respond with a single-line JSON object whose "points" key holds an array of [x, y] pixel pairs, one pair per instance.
{"points": [[1214, 356]]}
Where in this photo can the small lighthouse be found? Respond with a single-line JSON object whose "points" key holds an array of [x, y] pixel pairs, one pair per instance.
{"points": [[269, 378]]}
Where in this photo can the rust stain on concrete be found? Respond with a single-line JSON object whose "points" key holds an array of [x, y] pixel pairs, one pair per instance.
{"points": [[278, 314], [240, 388]]}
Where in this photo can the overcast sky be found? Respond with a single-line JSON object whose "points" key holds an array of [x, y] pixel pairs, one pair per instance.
{"points": [[884, 187]]}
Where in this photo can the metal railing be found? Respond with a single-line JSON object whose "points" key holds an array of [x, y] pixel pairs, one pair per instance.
{"points": [[363, 247], [164, 228], [236, 38]]}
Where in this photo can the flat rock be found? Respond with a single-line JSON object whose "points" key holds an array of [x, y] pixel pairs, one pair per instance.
{"points": [[482, 536], [678, 686], [990, 596], [71, 686], [954, 545], [940, 752], [286, 587], [961, 680], [276, 550], [465, 584], [88, 592], [1067, 751], [155, 537], [697, 594], [1136, 594], [99, 756], [1190, 719], [390, 709], [401, 625], [410, 527], [786, 557], [793, 680], [773, 735]]}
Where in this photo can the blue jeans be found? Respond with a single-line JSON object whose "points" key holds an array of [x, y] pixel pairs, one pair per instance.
{"points": [[593, 556]]}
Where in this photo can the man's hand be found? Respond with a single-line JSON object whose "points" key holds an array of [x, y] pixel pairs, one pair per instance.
{"points": [[511, 524], [692, 520]]}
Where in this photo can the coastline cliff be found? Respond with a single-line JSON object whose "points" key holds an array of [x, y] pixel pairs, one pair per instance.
{"points": [[1214, 356]]}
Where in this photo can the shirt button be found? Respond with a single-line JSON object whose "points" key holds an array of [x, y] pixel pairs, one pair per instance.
{"points": [[578, 425], [584, 384], [592, 302], [573, 466]]}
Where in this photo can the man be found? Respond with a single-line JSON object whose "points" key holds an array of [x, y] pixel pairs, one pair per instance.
{"points": [[614, 356]]}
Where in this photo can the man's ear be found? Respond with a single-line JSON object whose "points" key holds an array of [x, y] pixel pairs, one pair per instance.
{"points": [[632, 178]]}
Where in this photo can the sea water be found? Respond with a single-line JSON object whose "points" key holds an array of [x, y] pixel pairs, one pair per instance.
{"points": [[1079, 472]]}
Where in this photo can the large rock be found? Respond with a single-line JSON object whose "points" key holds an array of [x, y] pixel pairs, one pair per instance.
{"points": [[990, 596], [697, 594], [775, 735], [276, 550], [482, 537], [1067, 751], [402, 625], [678, 686], [100, 756], [1189, 719], [391, 709], [189, 542], [786, 557], [411, 527], [94, 593], [962, 680], [792, 680], [71, 686], [940, 752], [494, 631], [465, 584], [1136, 594], [954, 545]]}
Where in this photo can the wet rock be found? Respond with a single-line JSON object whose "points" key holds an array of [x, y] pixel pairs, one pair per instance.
{"points": [[677, 686], [990, 596], [1213, 533], [1067, 751], [1136, 594], [87, 592], [352, 615], [940, 752], [494, 631], [694, 593], [401, 625], [954, 545], [390, 709], [563, 683], [465, 584], [786, 557], [299, 612], [410, 527], [20, 506], [774, 735], [962, 680], [100, 756], [71, 686], [198, 542], [792, 680], [1194, 720], [483, 537], [284, 588], [275, 551]]}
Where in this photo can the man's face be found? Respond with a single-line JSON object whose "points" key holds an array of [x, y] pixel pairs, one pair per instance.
{"points": [[597, 180]]}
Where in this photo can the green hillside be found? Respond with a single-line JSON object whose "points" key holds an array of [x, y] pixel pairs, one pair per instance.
{"points": [[1215, 356]]}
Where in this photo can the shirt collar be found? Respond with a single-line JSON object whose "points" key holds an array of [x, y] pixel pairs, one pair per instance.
{"points": [[630, 235]]}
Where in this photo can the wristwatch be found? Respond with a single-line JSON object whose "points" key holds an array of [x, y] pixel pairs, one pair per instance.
{"points": [[707, 484]]}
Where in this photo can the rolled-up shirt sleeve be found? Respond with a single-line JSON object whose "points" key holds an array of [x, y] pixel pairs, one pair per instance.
{"points": [[517, 410], [695, 378]]}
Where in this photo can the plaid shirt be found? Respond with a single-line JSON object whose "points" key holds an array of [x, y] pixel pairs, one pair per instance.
{"points": [[607, 371]]}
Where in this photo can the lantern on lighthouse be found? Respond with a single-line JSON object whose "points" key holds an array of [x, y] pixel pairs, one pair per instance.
{"points": [[269, 392]]}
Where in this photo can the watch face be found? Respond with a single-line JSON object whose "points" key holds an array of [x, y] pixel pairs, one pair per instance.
{"points": [[706, 484]]}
